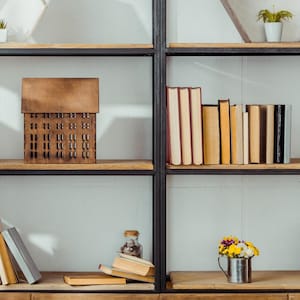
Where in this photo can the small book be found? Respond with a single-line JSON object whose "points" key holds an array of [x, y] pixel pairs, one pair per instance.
{"points": [[120, 273], [211, 135], [134, 265], [246, 138], [185, 126], [173, 127], [270, 133], [224, 117], [93, 279], [21, 255], [287, 134], [279, 117], [196, 125]]}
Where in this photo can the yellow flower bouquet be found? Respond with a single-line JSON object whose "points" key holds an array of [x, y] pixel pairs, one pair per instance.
{"points": [[232, 247]]}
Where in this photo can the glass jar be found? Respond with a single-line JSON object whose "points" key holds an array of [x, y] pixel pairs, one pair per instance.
{"points": [[132, 245]]}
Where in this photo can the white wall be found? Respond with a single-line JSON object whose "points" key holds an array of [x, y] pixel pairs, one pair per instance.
{"points": [[75, 223]]}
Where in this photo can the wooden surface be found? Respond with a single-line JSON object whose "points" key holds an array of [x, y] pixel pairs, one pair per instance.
{"points": [[234, 45], [18, 164], [15, 296], [54, 281], [215, 280], [224, 297], [294, 165], [92, 297], [74, 46]]}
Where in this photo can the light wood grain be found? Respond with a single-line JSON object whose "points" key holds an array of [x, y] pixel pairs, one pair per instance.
{"points": [[214, 280], [293, 297], [294, 165], [18, 164], [74, 46], [93, 297], [224, 297], [234, 45], [15, 296], [54, 281]]}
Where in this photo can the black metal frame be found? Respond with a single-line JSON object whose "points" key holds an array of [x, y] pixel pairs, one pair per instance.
{"points": [[159, 55]]}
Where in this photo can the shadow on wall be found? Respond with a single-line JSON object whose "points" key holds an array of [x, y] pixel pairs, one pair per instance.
{"points": [[94, 21]]}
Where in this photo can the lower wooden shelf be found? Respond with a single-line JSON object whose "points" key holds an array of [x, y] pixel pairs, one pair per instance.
{"points": [[53, 281], [216, 281]]}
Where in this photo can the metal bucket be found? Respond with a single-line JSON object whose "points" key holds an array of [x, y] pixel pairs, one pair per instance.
{"points": [[238, 270]]}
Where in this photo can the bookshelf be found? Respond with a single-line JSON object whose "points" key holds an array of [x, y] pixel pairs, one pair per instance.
{"points": [[193, 285]]}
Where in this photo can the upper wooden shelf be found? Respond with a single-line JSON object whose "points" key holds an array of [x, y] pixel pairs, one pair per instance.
{"points": [[139, 167], [234, 48], [216, 280], [54, 281], [292, 168], [76, 49]]}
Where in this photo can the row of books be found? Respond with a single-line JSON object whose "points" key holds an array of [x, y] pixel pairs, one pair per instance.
{"points": [[16, 264], [223, 133], [125, 268]]}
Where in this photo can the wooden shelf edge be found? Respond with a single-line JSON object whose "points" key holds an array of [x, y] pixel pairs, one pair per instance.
{"points": [[294, 165], [262, 45], [216, 280], [74, 46], [127, 165], [54, 281]]}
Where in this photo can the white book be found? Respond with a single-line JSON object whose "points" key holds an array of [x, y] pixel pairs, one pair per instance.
{"points": [[287, 134]]}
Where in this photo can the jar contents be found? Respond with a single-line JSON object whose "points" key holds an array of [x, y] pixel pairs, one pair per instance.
{"points": [[132, 245]]}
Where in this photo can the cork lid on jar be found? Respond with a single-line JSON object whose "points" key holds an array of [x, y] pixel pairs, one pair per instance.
{"points": [[131, 233]]}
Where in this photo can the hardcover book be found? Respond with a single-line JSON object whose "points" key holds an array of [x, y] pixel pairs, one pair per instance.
{"points": [[93, 279], [224, 131], [21, 255]]}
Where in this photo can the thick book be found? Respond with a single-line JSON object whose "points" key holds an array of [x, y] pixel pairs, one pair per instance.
{"points": [[185, 126], [211, 134], [269, 133], [196, 124], [279, 116], [134, 265], [127, 275], [254, 132], [21, 255], [236, 127], [173, 127], [224, 118], [93, 279], [7, 274]]}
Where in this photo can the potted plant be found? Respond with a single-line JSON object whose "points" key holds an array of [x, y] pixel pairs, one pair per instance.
{"points": [[3, 31], [273, 23], [239, 254]]}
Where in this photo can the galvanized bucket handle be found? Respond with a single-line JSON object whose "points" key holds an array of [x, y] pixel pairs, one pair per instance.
{"points": [[220, 266]]}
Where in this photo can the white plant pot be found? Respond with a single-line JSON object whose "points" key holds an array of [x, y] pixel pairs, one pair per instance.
{"points": [[273, 31], [3, 35]]}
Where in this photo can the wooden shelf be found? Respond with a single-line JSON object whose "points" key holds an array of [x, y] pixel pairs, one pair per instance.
{"points": [[216, 280], [109, 166], [54, 281]]}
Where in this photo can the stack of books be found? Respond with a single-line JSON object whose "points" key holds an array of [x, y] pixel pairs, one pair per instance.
{"points": [[130, 268], [16, 264], [222, 133]]}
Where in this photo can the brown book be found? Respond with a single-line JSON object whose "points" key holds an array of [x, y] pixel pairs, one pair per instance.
{"points": [[196, 125], [254, 133], [246, 137], [236, 127], [185, 126], [134, 265], [211, 134], [173, 127], [7, 275], [224, 118], [93, 279], [270, 133], [120, 273]]}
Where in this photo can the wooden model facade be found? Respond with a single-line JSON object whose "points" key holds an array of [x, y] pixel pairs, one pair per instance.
{"points": [[60, 119]]}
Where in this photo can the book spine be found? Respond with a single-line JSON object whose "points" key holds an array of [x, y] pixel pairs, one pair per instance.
{"points": [[279, 114], [287, 134]]}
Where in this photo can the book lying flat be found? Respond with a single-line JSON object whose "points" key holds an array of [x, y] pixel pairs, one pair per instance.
{"points": [[21, 255], [134, 265], [93, 279], [120, 273]]}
